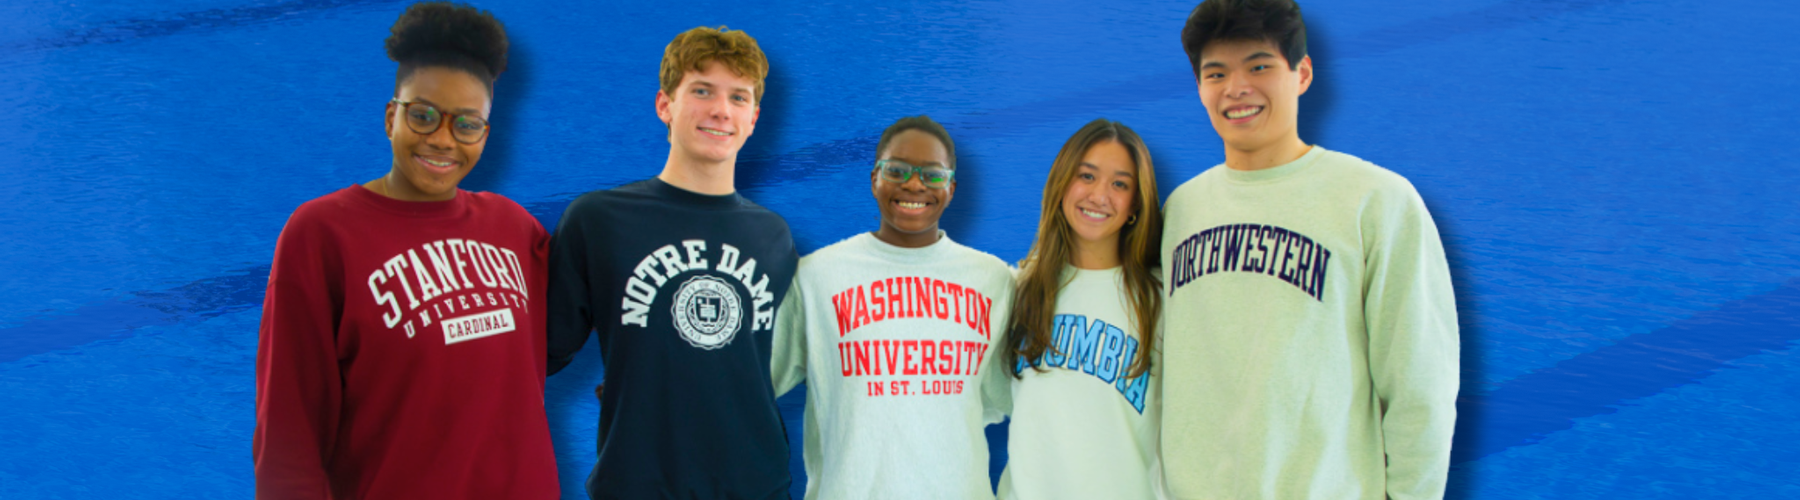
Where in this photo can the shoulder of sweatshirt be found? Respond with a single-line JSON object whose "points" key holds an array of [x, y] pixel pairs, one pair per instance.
{"points": [[501, 207], [322, 211], [991, 267], [1351, 173], [1193, 183], [602, 204]]}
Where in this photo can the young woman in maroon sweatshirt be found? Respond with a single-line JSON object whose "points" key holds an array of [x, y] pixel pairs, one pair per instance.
{"points": [[401, 353]]}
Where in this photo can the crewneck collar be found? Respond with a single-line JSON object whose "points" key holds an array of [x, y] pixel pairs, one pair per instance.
{"points": [[663, 189], [1277, 172], [410, 208], [936, 252]]}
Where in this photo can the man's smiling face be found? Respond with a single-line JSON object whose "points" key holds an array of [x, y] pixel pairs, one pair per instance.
{"points": [[909, 209], [1250, 94], [710, 115]]}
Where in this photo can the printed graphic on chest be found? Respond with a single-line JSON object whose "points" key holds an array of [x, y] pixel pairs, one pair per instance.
{"points": [[1094, 348], [1266, 250], [438, 289], [956, 320], [706, 309]]}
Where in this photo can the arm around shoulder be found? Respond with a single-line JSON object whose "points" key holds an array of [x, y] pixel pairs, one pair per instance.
{"points": [[996, 376], [787, 357], [569, 315]]}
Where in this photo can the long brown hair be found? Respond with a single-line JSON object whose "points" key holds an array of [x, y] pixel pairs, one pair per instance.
{"points": [[1041, 273]]}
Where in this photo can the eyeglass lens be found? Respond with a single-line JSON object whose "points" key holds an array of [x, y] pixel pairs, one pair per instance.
{"points": [[425, 120]]}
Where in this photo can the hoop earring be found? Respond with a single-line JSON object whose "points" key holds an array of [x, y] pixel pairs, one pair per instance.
{"points": [[1131, 220]]}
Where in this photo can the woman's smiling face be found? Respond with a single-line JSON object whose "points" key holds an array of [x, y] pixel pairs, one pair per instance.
{"points": [[429, 166]]}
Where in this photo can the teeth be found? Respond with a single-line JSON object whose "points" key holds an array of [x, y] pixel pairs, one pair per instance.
{"points": [[1243, 112], [436, 163], [1095, 215], [911, 204], [719, 133]]}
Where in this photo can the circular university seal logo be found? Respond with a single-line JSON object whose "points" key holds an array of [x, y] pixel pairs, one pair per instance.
{"points": [[707, 312]]}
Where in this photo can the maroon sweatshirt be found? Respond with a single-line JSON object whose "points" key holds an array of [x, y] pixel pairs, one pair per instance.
{"points": [[402, 352]]}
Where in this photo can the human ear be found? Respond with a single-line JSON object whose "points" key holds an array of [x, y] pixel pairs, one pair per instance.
{"points": [[1305, 68], [388, 120], [662, 108]]}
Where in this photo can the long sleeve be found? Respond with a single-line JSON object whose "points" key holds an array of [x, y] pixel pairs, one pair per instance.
{"points": [[1413, 348], [570, 318], [298, 384], [540, 288], [787, 360], [996, 377]]}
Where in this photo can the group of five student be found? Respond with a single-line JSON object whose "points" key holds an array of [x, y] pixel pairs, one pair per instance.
{"points": [[1283, 328]]}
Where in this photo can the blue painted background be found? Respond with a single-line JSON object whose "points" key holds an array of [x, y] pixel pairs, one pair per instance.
{"points": [[1615, 182]]}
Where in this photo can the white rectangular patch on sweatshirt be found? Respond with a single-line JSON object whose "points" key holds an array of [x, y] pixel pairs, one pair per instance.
{"points": [[476, 326]]}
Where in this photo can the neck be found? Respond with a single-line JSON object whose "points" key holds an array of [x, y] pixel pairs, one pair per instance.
{"points": [[1096, 254], [399, 189], [704, 178], [1267, 156], [901, 239]]}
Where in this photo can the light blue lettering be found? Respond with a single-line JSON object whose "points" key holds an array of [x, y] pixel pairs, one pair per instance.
{"points": [[1108, 365], [1059, 338], [1086, 343]]}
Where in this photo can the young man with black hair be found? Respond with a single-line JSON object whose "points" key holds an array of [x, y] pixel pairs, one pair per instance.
{"points": [[680, 276], [1311, 336]]}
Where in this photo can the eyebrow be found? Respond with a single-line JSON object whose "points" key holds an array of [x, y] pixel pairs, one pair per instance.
{"points": [[1253, 57], [746, 90], [1125, 173], [460, 111], [928, 163]]}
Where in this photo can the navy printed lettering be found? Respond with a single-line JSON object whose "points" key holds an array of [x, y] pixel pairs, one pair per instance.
{"points": [[1262, 249]]}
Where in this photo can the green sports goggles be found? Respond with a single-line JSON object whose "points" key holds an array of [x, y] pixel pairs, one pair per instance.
{"points": [[898, 172]]}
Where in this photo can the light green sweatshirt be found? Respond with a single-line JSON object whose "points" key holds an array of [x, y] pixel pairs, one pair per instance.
{"points": [[1311, 336], [897, 347]]}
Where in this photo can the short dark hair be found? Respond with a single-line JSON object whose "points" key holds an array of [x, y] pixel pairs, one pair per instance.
{"points": [[920, 123], [1275, 21], [735, 50], [443, 34]]}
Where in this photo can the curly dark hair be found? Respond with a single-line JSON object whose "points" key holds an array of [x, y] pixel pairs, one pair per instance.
{"points": [[920, 123], [1276, 21], [444, 34]]}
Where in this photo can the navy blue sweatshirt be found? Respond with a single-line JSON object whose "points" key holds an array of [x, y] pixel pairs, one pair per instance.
{"points": [[682, 289]]}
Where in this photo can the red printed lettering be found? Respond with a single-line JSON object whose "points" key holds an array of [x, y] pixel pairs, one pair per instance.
{"points": [[907, 347], [985, 305], [956, 293], [939, 306], [844, 304], [945, 366], [921, 297], [927, 357], [890, 348], [879, 298], [862, 310], [896, 304]]}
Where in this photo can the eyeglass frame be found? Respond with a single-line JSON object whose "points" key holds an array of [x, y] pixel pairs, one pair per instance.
{"points": [[915, 171], [486, 127]]}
